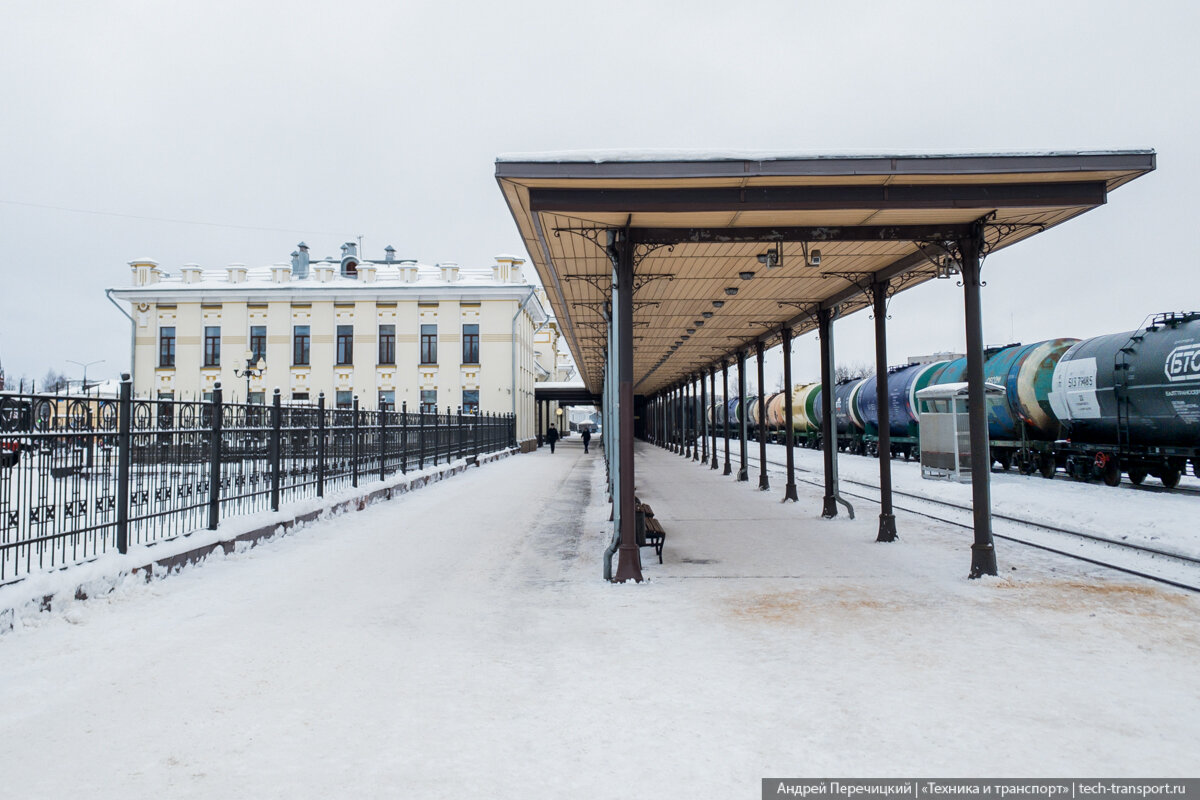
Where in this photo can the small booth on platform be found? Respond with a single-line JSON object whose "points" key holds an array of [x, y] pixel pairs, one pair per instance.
{"points": [[946, 430]]}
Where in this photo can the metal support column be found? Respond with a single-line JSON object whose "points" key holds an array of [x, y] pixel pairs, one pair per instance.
{"points": [[703, 421], [763, 483], [539, 423], [629, 563], [828, 426], [743, 473], [712, 386], [983, 553], [685, 410], [725, 416], [887, 519], [789, 433], [697, 423]]}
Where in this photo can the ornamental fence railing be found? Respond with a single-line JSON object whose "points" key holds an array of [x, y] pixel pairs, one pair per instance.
{"points": [[85, 475]]}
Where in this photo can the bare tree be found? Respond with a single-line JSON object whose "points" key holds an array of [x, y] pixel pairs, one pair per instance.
{"points": [[853, 369], [53, 381]]}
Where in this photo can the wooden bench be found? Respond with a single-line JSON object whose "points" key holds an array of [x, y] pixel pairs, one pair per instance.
{"points": [[652, 534]]}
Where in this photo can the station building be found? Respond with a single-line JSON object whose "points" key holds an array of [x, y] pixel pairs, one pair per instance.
{"points": [[390, 332]]}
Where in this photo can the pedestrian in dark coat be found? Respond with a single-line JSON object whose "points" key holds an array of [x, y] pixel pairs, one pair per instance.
{"points": [[552, 437], [587, 437]]}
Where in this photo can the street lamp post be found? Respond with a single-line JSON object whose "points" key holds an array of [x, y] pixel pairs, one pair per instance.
{"points": [[253, 370], [85, 369]]}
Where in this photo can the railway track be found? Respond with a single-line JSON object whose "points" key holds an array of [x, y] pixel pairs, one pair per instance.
{"points": [[1164, 566]]}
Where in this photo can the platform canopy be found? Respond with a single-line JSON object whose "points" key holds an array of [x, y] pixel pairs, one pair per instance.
{"points": [[725, 245]]}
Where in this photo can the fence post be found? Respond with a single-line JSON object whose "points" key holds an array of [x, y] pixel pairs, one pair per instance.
{"points": [[354, 447], [421, 437], [437, 435], [214, 462], [475, 436], [404, 436], [459, 437], [449, 437], [321, 444], [382, 412], [124, 461], [276, 447]]}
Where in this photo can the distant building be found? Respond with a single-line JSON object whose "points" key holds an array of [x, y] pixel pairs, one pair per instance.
{"points": [[389, 332], [933, 358]]}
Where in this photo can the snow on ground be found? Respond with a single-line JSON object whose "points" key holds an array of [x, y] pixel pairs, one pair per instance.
{"points": [[1161, 519], [459, 640]]}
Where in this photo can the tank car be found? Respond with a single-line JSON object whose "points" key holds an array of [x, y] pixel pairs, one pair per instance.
{"points": [[904, 416], [1130, 402]]}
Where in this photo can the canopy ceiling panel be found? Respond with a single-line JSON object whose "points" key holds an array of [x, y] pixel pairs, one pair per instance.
{"points": [[699, 225]]}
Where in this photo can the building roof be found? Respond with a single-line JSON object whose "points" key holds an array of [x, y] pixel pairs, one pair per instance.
{"points": [[259, 283], [700, 223]]}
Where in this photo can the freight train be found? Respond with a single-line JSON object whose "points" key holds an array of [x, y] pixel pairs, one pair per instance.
{"points": [[1125, 403]]}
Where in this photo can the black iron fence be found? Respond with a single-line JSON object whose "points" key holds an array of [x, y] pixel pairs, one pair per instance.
{"points": [[80, 476]]}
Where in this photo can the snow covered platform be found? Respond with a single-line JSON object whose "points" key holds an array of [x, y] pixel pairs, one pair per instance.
{"points": [[459, 641]]}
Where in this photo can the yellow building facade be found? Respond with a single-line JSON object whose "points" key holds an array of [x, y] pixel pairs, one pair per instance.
{"points": [[393, 333]]}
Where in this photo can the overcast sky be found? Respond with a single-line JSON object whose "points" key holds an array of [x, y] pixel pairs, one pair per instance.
{"points": [[221, 132]]}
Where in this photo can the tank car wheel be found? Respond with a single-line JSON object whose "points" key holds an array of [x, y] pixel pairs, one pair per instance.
{"points": [[1112, 473], [1137, 474], [1047, 467], [1170, 477], [1196, 467], [1005, 461]]}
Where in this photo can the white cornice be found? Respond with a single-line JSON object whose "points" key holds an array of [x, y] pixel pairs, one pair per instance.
{"points": [[339, 294]]}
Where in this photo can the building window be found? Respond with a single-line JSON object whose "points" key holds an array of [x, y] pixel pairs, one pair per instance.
{"points": [[212, 346], [300, 342], [470, 344], [470, 401], [258, 342], [258, 398], [428, 401], [345, 344], [387, 344], [345, 399], [387, 400], [299, 397], [166, 347], [429, 344]]}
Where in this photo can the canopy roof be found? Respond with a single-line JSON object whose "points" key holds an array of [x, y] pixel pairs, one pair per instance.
{"points": [[700, 223]]}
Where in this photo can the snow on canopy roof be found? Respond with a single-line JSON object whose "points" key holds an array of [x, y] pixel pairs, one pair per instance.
{"points": [[666, 154]]}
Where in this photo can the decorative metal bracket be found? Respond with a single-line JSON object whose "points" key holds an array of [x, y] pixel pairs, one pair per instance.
{"points": [[602, 283], [1002, 230], [808, 308], [863, 280], [591, 234], [641, 250], [641, 280]]}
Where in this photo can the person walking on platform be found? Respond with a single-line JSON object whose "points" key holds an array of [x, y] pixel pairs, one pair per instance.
{"points": [[552, 437], [586, 434]]}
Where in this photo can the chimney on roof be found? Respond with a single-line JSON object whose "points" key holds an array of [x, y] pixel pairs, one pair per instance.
{"points": [[408, 271], [350, 260], [281, 273], [237, 273], [449, 271], [190, 273], [389, 254], [300, 261], [145, 271]]}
